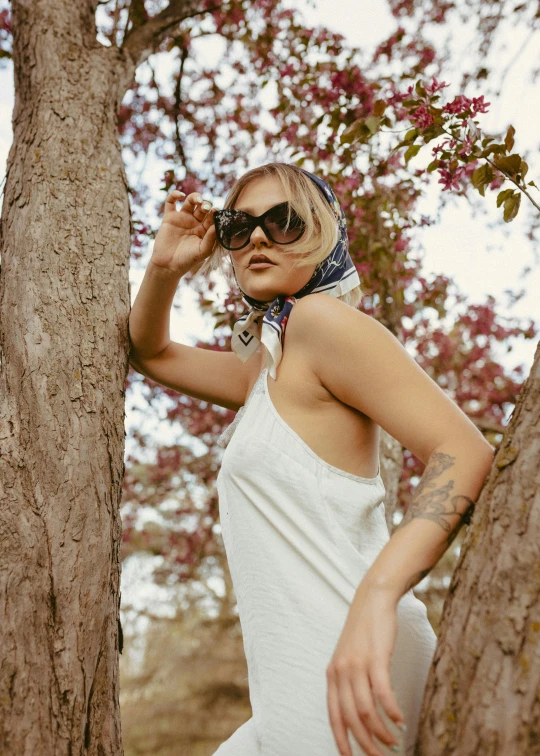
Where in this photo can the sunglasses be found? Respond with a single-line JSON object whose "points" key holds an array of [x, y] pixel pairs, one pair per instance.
{"points": [[280, 224]]}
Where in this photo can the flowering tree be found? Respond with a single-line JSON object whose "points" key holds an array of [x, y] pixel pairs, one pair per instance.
{"points": [[64, 315]]}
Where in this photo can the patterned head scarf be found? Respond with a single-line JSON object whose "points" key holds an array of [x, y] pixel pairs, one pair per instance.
{"points": [[335, 275]]}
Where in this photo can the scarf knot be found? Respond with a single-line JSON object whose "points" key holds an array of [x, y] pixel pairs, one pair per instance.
{"points": [[335, 275]]}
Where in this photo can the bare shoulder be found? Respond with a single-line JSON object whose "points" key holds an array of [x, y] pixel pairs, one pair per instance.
{"points": [[364, 365], [315, 318]]}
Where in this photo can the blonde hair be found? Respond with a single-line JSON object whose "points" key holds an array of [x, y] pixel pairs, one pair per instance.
{"points": [[305, 199]]}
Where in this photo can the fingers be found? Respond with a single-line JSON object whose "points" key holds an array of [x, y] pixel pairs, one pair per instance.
{"points": [[195, 205], [382, 690], [207, 243], [357, 713], [192, 204], [364, 705], [171, 200], [336, 720], [352, 697]]}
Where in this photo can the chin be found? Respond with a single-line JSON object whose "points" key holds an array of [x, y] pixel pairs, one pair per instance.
{"points": [[263, 289]]}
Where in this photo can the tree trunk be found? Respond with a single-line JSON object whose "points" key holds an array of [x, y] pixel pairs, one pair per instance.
{"points": [[482, 694], [64, 307]]}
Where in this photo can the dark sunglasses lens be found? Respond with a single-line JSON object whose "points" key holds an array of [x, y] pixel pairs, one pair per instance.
{"points": [[284, 229], [232, 229]]}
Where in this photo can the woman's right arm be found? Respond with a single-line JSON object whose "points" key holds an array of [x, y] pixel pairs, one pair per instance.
{"points": [[184, 240]]}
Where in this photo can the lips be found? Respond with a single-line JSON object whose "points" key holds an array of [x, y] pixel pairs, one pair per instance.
{"points": [[260, 259]]}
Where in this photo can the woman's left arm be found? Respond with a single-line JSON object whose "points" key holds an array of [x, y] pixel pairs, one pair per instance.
{"points": [[366, 367], [443, 500]]}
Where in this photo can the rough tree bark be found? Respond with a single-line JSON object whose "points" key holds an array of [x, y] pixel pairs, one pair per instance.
{"points": [[64, 304], [64, 308], [482, 694]]}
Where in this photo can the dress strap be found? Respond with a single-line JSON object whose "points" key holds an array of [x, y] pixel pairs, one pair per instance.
{"points": [[226, 435]]}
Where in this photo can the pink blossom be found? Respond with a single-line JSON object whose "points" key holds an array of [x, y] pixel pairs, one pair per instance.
{"points": [[422, 117], [450, 179], [459, 104], [479, 106], [462, 104], [497, 182], [288, 70], [467, 146], [435, 86]]}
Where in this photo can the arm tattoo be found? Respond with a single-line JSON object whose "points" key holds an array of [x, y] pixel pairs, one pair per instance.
{"points": [[432, 503]]}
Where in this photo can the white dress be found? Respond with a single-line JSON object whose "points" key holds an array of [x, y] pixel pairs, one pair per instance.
{"points": [[299, 535]]}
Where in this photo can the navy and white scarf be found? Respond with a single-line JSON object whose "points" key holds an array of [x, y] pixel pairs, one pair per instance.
{"points": [[335, 275]]}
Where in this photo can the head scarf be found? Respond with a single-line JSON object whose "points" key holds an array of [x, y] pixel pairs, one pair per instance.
{"points": [[335, 275]]}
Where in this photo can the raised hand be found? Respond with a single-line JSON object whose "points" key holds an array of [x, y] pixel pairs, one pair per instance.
{"points": [[187, 236]]}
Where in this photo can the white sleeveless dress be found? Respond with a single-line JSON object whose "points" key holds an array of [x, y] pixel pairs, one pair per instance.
{"points": [[299, 535]]}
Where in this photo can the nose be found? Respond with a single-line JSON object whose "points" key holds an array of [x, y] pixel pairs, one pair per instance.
{"points": [[259, 237]]}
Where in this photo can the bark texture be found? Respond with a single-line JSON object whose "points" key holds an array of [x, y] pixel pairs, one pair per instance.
{"points": [[64, 306], [483, 690]]}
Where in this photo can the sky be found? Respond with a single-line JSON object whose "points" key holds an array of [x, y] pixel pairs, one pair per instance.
{"points": [[467, 245]]}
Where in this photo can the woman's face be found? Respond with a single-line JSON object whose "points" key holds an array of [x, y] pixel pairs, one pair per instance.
{"points": [[266, 283]]}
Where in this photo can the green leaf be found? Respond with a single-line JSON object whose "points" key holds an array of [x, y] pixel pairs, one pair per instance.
{"points": [[373, 123], [478, 176], [419, 89], [481, 177], [432, 132], [412, 151], [509, 165], [509, 139], [433, 165], [354, 132], [502, 196], [511, 207], [410, 136], [493, 149], [531, 183], [523, 169]]}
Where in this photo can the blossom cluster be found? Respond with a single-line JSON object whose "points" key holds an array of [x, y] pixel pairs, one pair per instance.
{"points": [[464, 156]]}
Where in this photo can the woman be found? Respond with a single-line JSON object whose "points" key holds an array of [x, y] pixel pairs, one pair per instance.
{"points": [[337, 644]]}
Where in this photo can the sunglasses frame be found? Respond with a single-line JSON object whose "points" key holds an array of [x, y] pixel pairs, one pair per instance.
{"points": [[252, 222]]}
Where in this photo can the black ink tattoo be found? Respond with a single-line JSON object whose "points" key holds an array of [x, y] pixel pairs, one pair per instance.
{"points": [[434, 504]]}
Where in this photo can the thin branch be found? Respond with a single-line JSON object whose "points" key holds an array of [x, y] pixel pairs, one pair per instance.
{"points": [[137, 15], [143, 40], [177, 109]]}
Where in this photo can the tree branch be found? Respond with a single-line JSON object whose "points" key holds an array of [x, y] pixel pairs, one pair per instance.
{"points": [[177, 108], [145, 37]]}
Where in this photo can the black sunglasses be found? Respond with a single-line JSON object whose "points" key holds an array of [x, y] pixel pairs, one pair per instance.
{"points": [[280, 224]]}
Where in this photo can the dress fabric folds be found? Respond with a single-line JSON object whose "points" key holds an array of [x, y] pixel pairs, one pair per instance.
{"points": [[299, 535]]}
